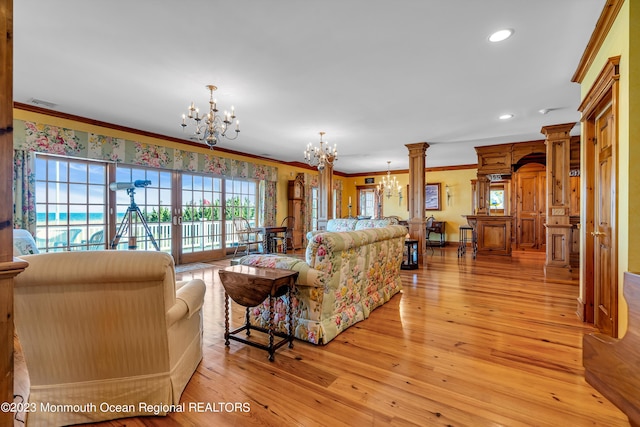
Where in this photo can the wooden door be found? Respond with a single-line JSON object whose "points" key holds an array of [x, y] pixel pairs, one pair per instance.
{"points": [[530, 207], [604, 209]]}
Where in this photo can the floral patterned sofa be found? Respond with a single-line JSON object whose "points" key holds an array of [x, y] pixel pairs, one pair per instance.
{"points": [[344, 277]]}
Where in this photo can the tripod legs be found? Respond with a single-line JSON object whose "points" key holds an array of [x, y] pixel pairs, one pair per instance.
{"points": [[124, 226]]}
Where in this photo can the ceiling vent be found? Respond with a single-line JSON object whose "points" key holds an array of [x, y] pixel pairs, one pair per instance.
{"points": [[44, 104]]}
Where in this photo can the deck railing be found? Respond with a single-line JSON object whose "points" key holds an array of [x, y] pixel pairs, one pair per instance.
{"points": [[196, 236]]}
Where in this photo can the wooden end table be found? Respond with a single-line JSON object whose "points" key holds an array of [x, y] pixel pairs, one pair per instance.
{"points": [[249, 286]]}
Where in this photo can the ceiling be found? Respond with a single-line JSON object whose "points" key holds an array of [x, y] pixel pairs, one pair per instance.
{"points": [[373, 74]]}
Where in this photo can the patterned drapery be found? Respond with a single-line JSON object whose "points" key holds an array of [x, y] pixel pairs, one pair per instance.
{"points": [[24, 191]]}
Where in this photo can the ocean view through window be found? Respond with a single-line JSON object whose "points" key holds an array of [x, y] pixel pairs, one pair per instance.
{"points": [[188, 215], [71, 203]]}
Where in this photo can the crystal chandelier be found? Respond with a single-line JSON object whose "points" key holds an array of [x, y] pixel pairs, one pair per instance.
{"points": [[321, 156], [211, 127], [390, 185]]}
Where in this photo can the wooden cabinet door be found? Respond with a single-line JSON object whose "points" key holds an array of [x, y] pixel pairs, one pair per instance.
{"points": [[530, 208]]}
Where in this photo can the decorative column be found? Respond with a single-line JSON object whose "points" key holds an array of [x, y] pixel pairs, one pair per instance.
{"points": [[558, 226], [325, 199], [417, 221]]}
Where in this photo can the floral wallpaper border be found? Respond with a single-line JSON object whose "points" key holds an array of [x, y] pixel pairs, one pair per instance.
{"points": [[44, 138]]}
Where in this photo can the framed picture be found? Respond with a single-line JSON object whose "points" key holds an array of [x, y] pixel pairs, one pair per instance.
{"points": [[432, 197]]}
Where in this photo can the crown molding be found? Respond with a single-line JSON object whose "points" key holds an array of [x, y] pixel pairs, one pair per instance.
{"points": [[53, 113], [604, 24]]}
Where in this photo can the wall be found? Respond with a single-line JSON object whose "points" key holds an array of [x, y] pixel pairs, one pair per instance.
{"points": [[617, 42], [633, 146], [390, 207], [452, 211], [285, 172], [459, 204]]}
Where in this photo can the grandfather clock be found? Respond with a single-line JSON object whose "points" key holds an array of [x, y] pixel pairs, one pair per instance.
{"points": [[296, 199]]}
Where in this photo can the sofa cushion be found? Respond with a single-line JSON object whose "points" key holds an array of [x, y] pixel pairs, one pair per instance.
{"points": [[341, 224], [363, 224]]}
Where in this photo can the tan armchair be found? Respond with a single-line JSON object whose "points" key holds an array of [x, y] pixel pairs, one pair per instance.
{"points": [[106, 326]]}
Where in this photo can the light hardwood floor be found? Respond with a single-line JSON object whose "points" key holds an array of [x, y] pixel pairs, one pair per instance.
{"points": [[486, 342]]}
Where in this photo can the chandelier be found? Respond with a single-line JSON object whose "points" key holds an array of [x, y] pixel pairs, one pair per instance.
{"points": [[321, 156], [211, 127], [390, 185]]}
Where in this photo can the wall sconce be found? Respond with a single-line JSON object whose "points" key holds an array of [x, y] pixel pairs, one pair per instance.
{"points": [[448, 191]]}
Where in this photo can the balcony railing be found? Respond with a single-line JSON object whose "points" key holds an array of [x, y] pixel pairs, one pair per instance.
{"points": [[196, 237]]}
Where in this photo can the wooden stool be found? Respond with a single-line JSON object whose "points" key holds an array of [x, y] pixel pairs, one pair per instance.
{"points": [[465, 238], [250, 286]]}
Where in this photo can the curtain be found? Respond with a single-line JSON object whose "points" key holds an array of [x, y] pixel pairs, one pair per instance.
{"points": [[269, 206], [337, 187], [24, 191]]}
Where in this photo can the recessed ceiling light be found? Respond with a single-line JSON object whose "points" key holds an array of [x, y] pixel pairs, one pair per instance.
{"points": [[500, 35], [505, 116]]}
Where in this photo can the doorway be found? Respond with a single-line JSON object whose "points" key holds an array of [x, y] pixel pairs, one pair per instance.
{"points": [[531, 207], [369, 203], [600, 186]]}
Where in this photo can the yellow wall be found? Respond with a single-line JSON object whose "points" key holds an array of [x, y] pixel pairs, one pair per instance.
{"points": [[633, 158], [390, 207], [451, 211], [622, 41], [459, 203]]}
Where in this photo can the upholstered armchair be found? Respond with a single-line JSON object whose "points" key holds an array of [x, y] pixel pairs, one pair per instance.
{"points": [[23, 243], [108, 327]]}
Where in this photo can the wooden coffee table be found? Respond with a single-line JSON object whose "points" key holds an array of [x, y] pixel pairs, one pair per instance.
{"points": [[250, 286]]}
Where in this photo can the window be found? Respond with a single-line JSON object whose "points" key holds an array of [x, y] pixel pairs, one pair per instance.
{"points": [[71, 204], [241, 200], [201, 213], [497, 197], [73, 208], [367, 202], [314, 208], [154, 202]]}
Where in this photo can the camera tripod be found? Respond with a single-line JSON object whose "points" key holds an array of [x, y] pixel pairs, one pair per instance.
{"points": [[133, 209]]}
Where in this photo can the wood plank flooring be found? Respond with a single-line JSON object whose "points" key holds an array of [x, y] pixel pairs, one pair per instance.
{"points": [[485, 342]]}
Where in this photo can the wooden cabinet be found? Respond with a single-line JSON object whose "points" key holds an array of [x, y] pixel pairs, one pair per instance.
{"points": [[493, 234], [493, 160], [295, 209]]}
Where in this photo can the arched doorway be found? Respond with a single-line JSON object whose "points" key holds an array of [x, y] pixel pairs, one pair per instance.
{"points": [[530, 202]]}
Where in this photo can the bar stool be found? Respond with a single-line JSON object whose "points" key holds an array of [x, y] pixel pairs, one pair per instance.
{"points": [[467, 235]]}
